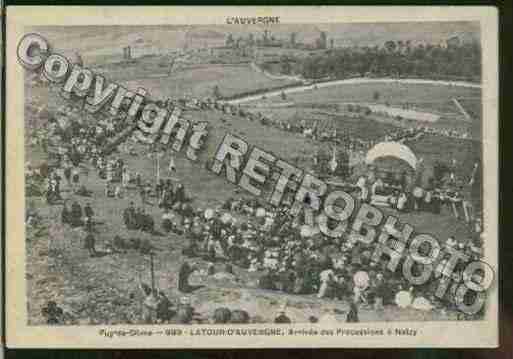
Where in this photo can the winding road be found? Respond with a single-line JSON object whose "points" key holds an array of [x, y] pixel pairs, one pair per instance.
{"points": [[358, 80]]}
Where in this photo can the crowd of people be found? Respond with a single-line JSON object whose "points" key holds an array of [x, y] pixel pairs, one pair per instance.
{"points": [[292, 257], [405, 194], [415, 133]]}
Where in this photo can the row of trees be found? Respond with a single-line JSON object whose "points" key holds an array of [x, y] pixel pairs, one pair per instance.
{"points": [[268, 39], [392, 59]]}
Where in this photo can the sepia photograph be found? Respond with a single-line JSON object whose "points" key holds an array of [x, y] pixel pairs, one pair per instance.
{"points": [[249, 176]]}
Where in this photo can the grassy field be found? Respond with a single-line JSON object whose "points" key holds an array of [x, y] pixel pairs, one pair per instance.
{"points": [[472, 106], [198, 81], [364, 128], [326, 104], [388, 92], [423, 96]]}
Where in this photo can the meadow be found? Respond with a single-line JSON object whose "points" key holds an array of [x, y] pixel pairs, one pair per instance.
{"points": [[328, 105], [193, 80], [434, 98]]}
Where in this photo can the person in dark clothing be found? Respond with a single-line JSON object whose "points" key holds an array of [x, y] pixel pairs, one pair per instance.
{"points": [[54, 193], [288, 278], [159, 189], [167, 198], [75, 159], [139, 219], [76, 177], [66, 214], [309, 277], [179, 195], [187, 211], [148, 223], [144, 221], [239, 317], [58, 186], [138, 180], [83, 191], [88, 211], [210, 255], [227, 205], [183, 277], [403, 181], [184, 314], [215, 227], [436, 203], [164, 312], [53, 313], [282, 319], [67, 174], [222, 316], [167, 221], [191, 249], [342, 288], [89, 224], [76, 215], [89, 243], [44, 169], [379, 291], [268, 281], [352, 316], [143, 192], [149, 304], [129, 217], [169, 185]]}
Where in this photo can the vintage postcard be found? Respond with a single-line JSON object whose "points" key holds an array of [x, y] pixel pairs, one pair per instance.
{"points": [[241, 177]]}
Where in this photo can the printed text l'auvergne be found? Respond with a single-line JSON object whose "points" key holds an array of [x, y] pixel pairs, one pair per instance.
{"points": [[254, 20]]}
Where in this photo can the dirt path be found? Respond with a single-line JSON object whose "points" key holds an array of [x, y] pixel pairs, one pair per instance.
{"points": [[353, 81]]}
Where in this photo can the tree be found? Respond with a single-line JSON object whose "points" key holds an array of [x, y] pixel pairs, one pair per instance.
{"points": [[229, 40], [238, 42], [266, 37], [76, 59], [293, 39], [419, 60], [400, 45], [390, 46], [216, 92], [251, 39], [439, 170], [408, 46], [286, 68], [323, 40]]}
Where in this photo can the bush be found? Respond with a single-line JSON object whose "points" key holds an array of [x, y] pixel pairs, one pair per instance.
{"points": [[222, 315], [239, 317]]}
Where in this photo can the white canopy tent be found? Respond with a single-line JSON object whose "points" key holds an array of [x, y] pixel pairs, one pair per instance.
{"points": [[392, 149]]}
